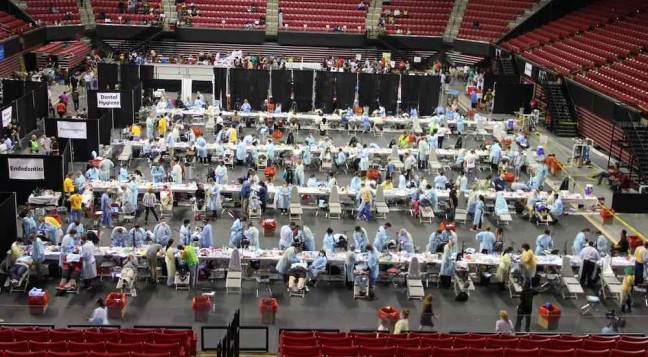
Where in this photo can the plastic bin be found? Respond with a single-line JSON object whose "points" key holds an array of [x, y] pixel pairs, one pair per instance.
{"points": [[116, 305], [607, 215], [201, 305], [269, 227], [268, 308], [548, 317], [38, 304]]}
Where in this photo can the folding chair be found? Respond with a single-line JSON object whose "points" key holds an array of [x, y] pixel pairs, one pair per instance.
{"points": [[334, 206], [414, 285], [23, 282], [434, 163], [395, 159], [381, 205], [569, 284], [234, 273], [295, 206]]}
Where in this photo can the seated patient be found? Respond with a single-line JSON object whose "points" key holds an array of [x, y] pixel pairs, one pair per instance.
{"points": [[19, 269], [297, 277]]}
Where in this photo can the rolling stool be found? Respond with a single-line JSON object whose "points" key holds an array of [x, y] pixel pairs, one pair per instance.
{"points": [[592, 304], [642, 289]]}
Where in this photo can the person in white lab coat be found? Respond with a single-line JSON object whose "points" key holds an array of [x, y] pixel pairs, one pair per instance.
{"points": [[89, 266], [100, 314]]}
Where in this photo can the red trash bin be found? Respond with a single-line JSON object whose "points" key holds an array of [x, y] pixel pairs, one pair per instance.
{"points": [[116, 305], [268, 308], [201, 305], [269, 226], [548, 316]]}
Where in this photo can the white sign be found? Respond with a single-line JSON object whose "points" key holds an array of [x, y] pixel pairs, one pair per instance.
{"points": [[26, 169], [417, 59], [528, 69], [72, 130], [108, 100], [6, 116]]}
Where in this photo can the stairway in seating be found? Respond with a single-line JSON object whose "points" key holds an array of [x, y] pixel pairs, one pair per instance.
{"points": [[528, 13], [508, 68], [456, 16], [636, 135], [87, 14], [170, 13], [373, 17], [563, 116], [272, 18]]}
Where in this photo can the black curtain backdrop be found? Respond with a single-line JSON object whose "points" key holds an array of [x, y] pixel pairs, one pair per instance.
{"points": [[108, 75], [428, 96], [147, 76], [303, 90], [137, 98], [40, 97], [330, 84], [105, 126], [389, 92], [249, 84], [9, 225], [220, 85], [130, 76], [510, 97], [54, 176], [410, 92], [123, 116], [65, 153], [281, 89], [12, 90], [82, 148], [28, 116], [369, 90]]}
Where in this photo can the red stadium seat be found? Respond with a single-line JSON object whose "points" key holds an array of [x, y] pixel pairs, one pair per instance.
{"points": [[484, 352], [629, 338], [544, 352], [87, 346], [589, 353], [20, 346], [520, 352], [66, 335], [438, 342], [502, 343], [594, 345], [300, 351], [335, 341], [625, 345], [131, 337], [424, 335], [159, 354], [470, 342], [622, 353], [25, 354], [449, 352], [172, 348], [36, 346], [6, 335], [557, 344], [292, 341], [370, 342], [413, 351], [403, 342], [326, 334], [109, 354], [342, 351], [295, 334], [529, 343], [67, 354], [124, 347], [27, 335], [377, 351], [103, 336]]}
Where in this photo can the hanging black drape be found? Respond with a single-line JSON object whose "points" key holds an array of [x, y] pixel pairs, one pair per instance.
{"points": [[83, 148], [40, 97], [281, 89], [511, 96], [369, 90], [429, 87], [123, 116], [107, 75], [12, 90], [8, 208], [330, 85], [130, 76], [389, 92], [410, 92], [147, 76], [220, 85], [303, 90], [249, 84], [105, 128]]}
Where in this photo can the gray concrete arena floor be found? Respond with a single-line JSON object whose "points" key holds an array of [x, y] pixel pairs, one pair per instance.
{"points": [[330, 304]]}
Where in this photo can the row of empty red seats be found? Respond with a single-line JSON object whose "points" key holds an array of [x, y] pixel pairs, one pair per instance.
{"points": [[111, 9], [587, 18], [441, 344], [226, 13], [10, 25], [424, 17], [66, 12], [493, 18], [331, 14], [160, 341], [70, 54]]}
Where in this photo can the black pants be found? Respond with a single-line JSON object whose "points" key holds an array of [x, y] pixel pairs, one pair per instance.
{"points": [[152, 210], [518, 321], [76, 104], [586, 273], [440, 141]]}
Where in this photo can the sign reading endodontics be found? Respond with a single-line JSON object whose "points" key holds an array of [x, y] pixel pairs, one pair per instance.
{"points": [[26, 169], [108, 100]]}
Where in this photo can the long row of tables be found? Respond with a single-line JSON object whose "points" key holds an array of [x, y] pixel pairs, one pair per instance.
{"points": [[272, 255], [568, 198]]}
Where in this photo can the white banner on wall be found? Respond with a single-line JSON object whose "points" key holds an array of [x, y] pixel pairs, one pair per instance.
{"points": [[108, 100], [26, 169], [6, 116], [72, 130], [528, 69]]}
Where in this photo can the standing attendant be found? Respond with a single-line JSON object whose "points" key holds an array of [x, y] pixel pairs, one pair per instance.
{"points": [[479, 214], [428, 314], [525, 307], [589, 256], [169, 260], [89, 264], [106, 202], [100, 314], [149, 200]]}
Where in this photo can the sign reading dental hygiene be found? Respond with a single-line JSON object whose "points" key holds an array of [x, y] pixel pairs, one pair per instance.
{"points": [[72, 130], [108, 100], [6, 117], [26, 169]]}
